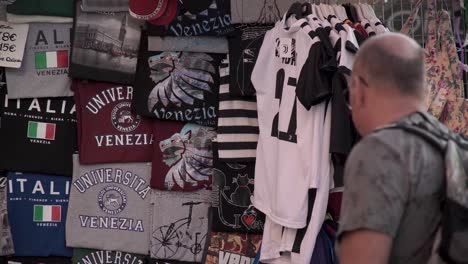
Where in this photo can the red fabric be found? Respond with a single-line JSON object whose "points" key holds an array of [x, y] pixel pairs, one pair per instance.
{"points": [[182, 157], [334, 205], [361, 29], [107, 130], [147, 9], [168, 16]]}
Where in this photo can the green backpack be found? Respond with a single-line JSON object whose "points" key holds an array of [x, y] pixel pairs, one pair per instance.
{"points": [[453, 247]]}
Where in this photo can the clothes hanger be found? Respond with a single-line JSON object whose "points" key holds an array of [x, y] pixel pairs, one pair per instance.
{"points": [[318, 11], [358, 11]]}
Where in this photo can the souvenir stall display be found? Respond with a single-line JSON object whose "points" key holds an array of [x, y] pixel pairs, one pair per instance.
{"points": [[183, 131]]}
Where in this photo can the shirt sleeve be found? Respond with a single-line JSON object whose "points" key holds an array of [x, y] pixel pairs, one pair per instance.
{"points": [[376, 188], [314, 83]]}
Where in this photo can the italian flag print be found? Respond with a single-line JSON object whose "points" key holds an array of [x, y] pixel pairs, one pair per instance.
{"points": [[41, 130], [52, 59], [47, 213]]}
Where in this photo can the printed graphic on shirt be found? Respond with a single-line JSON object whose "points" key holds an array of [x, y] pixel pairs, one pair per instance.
{"points": [[244, 47], [44, 72], [205, 18], [180, 225], [94, 256], [38, 126], [105, 46], [6, 240], [110, 207], [57, 59], [233, 248], [183, 158], [109, 130], [112, 199], [232, 189], [37, 206], [180, 86]]}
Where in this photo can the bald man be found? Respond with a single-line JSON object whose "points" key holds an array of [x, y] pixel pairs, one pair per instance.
{"points": [[394, 180]]}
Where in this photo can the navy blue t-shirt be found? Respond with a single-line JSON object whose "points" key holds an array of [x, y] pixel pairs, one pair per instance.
{"points": [[37, 210]]}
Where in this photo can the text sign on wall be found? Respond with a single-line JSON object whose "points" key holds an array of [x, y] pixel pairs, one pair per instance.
{"points": [[12, 41]]}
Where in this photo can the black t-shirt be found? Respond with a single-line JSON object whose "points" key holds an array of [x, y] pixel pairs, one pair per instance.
{"points": [[198, 18], [38, 135], [105, 46], [180, 86], [244, 46], [233, 184]]}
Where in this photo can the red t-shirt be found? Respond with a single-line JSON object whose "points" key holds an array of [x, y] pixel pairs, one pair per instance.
{"points": [[108, 131], [182, 157]]}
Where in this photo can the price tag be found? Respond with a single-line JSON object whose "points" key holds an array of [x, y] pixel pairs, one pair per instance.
{"points": [[12, 41], [285, 48]]}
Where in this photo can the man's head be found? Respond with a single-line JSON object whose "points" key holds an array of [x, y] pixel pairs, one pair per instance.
{"points": [[388, 81]]}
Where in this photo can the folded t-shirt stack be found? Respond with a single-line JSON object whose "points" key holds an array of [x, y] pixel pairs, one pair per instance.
{"points": [[82, 256], [110, 207], [32, 127], [37, 207], [44, 70], [107, 129], [179, 225], [182, 157]]}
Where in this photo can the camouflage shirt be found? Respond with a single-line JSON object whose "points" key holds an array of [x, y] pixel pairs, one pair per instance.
{"points": [[394, 184]]}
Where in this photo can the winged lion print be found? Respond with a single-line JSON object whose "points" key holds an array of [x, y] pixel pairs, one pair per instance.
{"points": [[181, 78]]}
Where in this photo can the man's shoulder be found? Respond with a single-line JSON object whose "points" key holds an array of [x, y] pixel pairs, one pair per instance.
{"points": [[394, 145]]}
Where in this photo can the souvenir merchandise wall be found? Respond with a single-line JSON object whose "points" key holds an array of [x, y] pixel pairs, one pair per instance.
{"points": [[179, 131]]}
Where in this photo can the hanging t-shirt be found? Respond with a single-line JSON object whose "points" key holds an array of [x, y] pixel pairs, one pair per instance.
{"points": [[233, 185], [180, 225], [108, 131], [181, 86], [104, 5], [183, 156], [233, 248], [44, 70], [6, 245], [197, 18], [290, 114], [37, 207], [237, 124], [105, 46], [95, 256], [110, 207], [63, 8], [38, 260], [39, 135], [244, 46], [343, 132], [258, 11]]}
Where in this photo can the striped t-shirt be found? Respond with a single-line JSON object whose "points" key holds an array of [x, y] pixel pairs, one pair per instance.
{"points": [[237, 123]]}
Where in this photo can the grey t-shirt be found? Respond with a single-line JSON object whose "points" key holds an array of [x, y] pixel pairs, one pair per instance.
{"points": [[109, 207], [44, 70], [180, 225], [394, 183]]}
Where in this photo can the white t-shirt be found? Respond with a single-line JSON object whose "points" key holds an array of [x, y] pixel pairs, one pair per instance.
{"points": [[289, 85]]}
